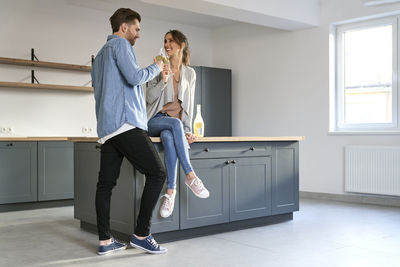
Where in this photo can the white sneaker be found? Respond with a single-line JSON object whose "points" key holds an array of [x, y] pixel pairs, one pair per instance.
{"points": [[167, 206]]}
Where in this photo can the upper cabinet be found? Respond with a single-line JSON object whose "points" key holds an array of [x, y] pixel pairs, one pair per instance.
{"points": [[214, 93]]}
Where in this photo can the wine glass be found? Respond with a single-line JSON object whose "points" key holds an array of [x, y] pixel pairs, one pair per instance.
{"points": [[164, 57], [163, 53]]}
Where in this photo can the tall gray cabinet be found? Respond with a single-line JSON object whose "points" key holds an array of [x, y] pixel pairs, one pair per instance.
{"points": [[214, 93]]}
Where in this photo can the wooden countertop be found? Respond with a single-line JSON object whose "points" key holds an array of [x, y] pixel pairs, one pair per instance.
{"points": [[34, 138], [157, 139]]}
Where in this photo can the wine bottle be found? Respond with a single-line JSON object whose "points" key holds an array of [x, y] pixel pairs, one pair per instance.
{"points": [[198, 123]]}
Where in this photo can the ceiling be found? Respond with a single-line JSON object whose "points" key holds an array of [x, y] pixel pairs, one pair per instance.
{"points": [[280, 14]]}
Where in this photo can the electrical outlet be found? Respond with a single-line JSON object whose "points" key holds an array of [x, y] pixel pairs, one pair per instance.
{"points": [[87, 130], [6, 129]]}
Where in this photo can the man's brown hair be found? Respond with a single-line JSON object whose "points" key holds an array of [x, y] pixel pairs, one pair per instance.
{"points": [[123, 15]]}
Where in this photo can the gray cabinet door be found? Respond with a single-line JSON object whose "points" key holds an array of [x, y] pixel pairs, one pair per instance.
{"points": [[158, 223], [198, 88], [213, 92], [194, 211], [285, 178], [216, 101], [122, 215], [87, 166], [18, 172], [55, 170], [250, 187], [86, 171]]}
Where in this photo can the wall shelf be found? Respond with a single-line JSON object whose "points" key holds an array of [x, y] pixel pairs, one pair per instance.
{"points": [[47, 86], [44, 64], [34, 62]]}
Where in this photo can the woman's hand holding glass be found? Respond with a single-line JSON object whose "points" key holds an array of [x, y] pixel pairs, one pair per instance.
{"points": [[165, 73], [160, 63]]}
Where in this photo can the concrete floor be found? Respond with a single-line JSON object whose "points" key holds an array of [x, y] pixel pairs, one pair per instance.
{"points": [[323, 233]]}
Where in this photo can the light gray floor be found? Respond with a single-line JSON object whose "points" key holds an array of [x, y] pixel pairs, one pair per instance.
{"points": [[322, 234]]}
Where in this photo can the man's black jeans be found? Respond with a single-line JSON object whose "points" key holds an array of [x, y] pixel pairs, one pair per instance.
{"points": [[137, 147]]}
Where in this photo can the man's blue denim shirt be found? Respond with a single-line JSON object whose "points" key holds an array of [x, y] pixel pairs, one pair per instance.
{"points": [[117, 81]]}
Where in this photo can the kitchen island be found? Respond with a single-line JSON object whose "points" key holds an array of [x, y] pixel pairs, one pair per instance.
{"points": [[252, 181]]}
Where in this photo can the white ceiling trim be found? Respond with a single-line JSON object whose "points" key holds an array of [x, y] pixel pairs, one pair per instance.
{"points": [[379, 2]]}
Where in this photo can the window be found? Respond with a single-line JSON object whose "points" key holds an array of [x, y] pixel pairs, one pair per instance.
{"points": [[366, 96]]}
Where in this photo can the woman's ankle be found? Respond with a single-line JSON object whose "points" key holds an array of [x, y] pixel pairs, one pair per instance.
{"points": [[190, 175], [171, 192]]}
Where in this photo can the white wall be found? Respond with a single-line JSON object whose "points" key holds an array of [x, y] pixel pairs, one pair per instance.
{"points": [[281, 82], [62, 32], [280, 79]]}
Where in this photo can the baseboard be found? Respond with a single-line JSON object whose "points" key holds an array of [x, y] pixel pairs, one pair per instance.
{"points": [[36, 205], [201, 231], [354, 198]]}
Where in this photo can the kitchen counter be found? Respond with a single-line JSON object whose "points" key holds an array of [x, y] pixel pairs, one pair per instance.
{"points": [[6, 139], [157, 139], [264, 169], [45, 170]]}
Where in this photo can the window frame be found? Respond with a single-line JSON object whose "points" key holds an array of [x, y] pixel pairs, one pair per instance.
{"points": [[338, 124]]}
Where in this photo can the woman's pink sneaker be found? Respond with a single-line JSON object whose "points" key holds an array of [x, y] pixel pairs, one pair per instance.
{"points": [[198, 188]]}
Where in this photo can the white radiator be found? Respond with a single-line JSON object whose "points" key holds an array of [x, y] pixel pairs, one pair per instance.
{"points": [[372, 170]]}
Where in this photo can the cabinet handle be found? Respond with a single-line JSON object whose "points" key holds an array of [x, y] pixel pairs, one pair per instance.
{"points": [[227, 162], [98, 146], [252, 148], [206, 150], [233, 161], [10, 144]]}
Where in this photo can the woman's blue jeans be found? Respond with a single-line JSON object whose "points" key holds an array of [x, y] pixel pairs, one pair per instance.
{"points": [[175, 144]]}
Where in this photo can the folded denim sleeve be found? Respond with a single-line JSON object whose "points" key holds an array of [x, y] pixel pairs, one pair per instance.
{"points": [[127, 64]]}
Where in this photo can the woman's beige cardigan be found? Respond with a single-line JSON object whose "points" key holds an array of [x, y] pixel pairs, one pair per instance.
{"points": [[158, 94]]}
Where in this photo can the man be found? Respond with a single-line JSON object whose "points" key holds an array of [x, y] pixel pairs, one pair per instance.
{"points": [[121, 127]]}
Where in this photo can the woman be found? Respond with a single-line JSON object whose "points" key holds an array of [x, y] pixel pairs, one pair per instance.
{"points": [[170, 100]]}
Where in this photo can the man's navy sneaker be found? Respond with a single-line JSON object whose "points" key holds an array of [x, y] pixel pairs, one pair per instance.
{"points": [[148, 244], [113, 246]]}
